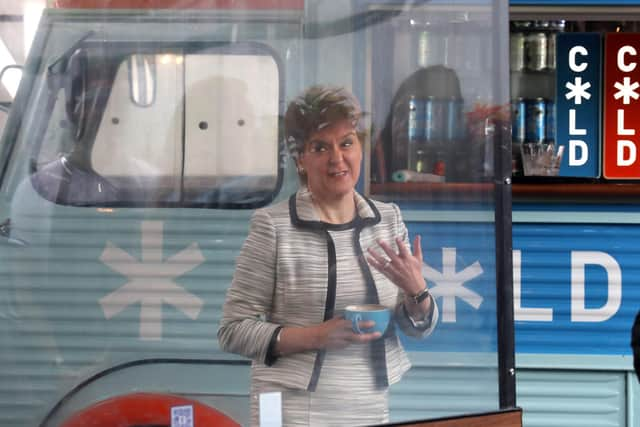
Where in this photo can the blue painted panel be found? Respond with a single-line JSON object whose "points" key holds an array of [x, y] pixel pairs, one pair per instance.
{"points": [[578, 103], [460, 269], [576, 286]]}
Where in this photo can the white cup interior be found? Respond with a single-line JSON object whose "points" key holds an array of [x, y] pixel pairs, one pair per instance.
{"points": [[366, 307]]}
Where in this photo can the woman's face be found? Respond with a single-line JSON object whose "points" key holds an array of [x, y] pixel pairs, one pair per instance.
{"points": [[331, 160]]}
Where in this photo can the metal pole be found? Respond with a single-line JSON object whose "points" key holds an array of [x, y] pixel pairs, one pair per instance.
{"points": [[502, 174]]}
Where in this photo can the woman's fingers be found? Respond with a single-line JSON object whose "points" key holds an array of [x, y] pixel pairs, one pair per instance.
{"points": [[366, 324], [404, 267], [380, 263], [383, 264], [417, 247], [340, 333], [364, 338], [387, 250], [403, 251], [378, 260]]}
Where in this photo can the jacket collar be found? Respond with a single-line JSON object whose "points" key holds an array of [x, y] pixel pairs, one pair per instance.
{"points": [[304, 215]]}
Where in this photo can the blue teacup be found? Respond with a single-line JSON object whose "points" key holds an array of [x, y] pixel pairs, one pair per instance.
{"points": [[366, 312]]}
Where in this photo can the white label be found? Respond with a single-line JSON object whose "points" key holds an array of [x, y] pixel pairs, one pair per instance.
{"points": [[271, 409], [182, 416]]}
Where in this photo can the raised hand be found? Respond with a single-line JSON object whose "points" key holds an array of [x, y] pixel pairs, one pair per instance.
{"points": [[403, 268]]}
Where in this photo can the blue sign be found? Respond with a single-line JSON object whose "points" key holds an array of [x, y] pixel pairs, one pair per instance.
{"points": [[578, 102], [576, 287], [459, 267]]}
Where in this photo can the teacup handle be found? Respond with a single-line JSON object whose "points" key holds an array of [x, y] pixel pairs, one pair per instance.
{"points": [[356, 323]]}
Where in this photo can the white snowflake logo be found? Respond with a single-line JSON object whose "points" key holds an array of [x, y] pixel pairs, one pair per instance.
{"points": [[578, 90], [151, 281], [450, 284], [626, 90]]}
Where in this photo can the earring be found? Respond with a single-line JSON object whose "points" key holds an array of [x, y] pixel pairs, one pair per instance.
{"points": [[301, 170]]}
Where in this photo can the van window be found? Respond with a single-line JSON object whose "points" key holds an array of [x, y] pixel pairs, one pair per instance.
{"points": [[133, 128]]}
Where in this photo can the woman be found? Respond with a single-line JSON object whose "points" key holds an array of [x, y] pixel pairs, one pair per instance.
{"points": [[304, 262]]}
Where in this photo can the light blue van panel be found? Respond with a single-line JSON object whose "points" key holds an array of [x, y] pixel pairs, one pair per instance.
{"points": [[435, 388], [565, 398], [633, 399], [138, 268]]}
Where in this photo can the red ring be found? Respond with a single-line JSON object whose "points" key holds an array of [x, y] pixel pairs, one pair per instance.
{"points": [[145, 408]]}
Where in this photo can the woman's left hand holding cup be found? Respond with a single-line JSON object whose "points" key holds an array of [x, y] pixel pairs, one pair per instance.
{"points": [[331, 334], [338, 333]]}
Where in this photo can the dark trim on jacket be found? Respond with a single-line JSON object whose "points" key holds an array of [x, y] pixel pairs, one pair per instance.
{"points": [[372, 295], [271, 355]]}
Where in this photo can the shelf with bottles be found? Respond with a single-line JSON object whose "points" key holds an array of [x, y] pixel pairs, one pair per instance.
{"points": [[533, 87], [426, 73], [448, 155], [532, 65]]}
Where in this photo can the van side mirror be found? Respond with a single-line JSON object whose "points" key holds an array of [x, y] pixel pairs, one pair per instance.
{"points": [[142, 79], [75, 89], [11, 75]]}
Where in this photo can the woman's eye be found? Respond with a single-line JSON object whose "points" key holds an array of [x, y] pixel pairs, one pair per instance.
{"points": [[347, 142], [317, 148]]}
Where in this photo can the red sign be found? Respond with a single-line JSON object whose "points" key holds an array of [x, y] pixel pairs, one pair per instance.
{"points": [[180, 4], [621, 130]]}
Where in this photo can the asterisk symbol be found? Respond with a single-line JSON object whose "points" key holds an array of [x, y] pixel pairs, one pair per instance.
{"points": [[151, 281], [626, 90], [578, 90], [449, 284]]}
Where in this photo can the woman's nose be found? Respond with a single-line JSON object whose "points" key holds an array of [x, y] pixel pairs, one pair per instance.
{"points": [[335, 154]]}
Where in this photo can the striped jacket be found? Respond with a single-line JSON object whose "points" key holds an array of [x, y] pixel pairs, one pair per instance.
{"points": [[285, 276]]}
